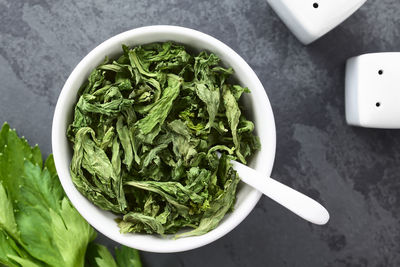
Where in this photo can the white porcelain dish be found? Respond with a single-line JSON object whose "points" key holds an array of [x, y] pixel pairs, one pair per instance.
{"points": [[256, 104]]}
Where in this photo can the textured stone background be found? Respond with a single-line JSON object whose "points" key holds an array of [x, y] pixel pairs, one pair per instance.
{"points": [[355, 172]]}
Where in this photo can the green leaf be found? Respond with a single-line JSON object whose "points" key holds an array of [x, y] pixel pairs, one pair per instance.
{"points": [[161, 109], [51, 230], [9, 250], [71, 234], [38, 224], [133, 218], [23, 262], [99, 256], [233, 114], [31, 199], [218, 208], [123, 134], [127, 257], [7, 220], [211, 98]]}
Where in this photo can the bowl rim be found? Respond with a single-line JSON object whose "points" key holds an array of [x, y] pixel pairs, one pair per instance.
{"points": [[151, 243]]}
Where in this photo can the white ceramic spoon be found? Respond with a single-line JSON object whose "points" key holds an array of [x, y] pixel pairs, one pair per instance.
{"points": [[298, 203]]}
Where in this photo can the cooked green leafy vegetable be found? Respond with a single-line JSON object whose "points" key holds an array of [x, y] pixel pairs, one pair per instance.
{"points": [[38, 224], [145, 134]]}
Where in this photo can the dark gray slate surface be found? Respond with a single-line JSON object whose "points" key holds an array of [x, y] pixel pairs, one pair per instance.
{"points": [[355, 172]]}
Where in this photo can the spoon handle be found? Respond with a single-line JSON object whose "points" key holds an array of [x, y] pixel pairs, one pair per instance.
{"points": [[298, 203]]}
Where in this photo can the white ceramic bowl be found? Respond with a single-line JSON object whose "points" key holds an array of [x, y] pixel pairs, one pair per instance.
{"points": [[256, 103]]}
